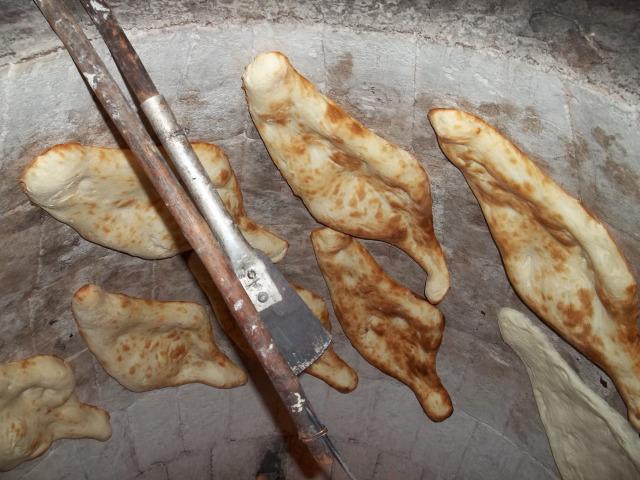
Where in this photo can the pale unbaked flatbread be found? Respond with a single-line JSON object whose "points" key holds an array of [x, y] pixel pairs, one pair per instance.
{"points": [[107, 199], [148, 344], [559, 258], [392, 328], [38, 406], [589, 439], [329, 368], [349, 178]]}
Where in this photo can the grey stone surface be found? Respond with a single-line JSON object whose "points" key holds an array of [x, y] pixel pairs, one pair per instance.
{"points": [[587, 40], [85, 375], [526, 431], [22, 228], [155, 472], [373, 84], [398, 406], [204, 415], [180, 284], [439, 447], [351, 414], [114, 458], [225, 462], [559, 78], [17, 340], [194, 465], [155, 425], [489, 402], [608, 157], [250, 415], [390, 466], [61, 462], [361, 459], [488, 455], [530, 469]]}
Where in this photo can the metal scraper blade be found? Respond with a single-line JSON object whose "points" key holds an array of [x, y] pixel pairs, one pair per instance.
{"points": [[297, 332]]}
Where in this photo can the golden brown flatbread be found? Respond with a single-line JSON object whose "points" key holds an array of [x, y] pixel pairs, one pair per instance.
{"points": [[148, 344], [329, 368], [349, 178], [103, 195], [589, 439], [392, 328], [38, 406], [559, 258]]}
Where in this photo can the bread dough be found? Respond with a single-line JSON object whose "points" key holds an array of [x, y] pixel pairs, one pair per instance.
{"points": [[148, 344], [107, 199], [349, 178], [589, 439], [391, 328], [559, 258], [38, 406]]}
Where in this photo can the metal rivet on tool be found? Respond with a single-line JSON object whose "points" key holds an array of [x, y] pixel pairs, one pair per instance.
{"points": [[251, 274], [263, 297]]}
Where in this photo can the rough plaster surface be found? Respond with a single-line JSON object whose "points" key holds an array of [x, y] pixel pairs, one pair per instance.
{"points": [[559, 80]]}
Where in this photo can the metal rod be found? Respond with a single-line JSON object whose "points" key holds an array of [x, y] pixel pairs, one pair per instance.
{"points": [[159, 114], [171, 135], [262, 291], [193, 226]]}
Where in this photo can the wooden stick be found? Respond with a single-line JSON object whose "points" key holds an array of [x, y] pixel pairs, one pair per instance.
{"points": [[193, 226]]}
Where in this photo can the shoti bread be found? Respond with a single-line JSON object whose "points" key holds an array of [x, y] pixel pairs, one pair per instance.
{"points": [[102, 194], [392, 328], [148, 344], [349, 178], [38, 406], [589, 439], [559, 258], [329, 368]]}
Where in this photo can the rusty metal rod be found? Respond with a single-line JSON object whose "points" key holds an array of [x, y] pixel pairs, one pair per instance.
{"points": [[193, 226]]}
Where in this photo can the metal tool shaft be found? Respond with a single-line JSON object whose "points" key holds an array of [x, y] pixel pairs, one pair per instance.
{"points": [[263, 293], [193, 226], [246, 264], [200, 186]]}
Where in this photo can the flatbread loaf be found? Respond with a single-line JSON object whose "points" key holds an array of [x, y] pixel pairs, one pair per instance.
{"points": [[107, 199], [329, 368], [38, 406], [589, 439], [559, 258], [349, 178], [392, 328], [148, 344]]}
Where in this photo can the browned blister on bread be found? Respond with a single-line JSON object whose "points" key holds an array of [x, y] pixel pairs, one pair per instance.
{"points": [[149, 344], [349, 178], [392, 328], [329, 367], [38, 406], [107, 199], [559, 258]]}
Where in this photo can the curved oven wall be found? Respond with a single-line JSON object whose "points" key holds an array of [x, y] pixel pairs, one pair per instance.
{"points": [[582, 132]]}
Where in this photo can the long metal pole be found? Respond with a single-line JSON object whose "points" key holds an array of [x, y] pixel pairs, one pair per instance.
{"points": [[193, 226]]}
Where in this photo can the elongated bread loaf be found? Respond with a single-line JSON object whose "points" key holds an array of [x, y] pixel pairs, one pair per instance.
{"points": [[391, 328], [102, 194], [559, 258], [349, 178]]}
